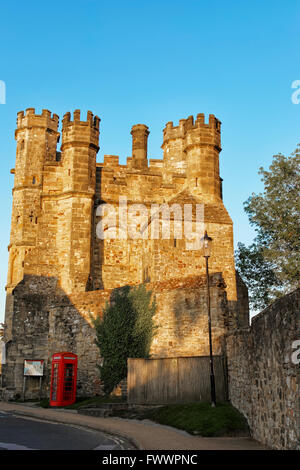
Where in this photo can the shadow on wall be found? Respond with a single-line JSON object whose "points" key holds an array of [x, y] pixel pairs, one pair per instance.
{"points": [[183, 316], [45, 320], [42, 319], [191, 310]]}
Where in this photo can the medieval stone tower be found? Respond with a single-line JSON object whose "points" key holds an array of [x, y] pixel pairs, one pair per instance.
{"points": [[53, 198], [60, 272]]}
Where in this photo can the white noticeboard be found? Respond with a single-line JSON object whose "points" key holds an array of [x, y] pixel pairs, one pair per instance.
{"points": [[33, 368]]}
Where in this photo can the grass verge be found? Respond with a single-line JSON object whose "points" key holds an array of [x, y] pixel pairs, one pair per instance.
{"points": [[195, 418], [202, 419]]}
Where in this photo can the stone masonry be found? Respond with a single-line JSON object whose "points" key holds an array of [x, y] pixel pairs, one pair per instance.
{"points": [[47, 320], [264, 380], [60, 272]]}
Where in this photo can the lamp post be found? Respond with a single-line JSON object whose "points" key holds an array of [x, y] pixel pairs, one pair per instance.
{"points": [[207, 242]]}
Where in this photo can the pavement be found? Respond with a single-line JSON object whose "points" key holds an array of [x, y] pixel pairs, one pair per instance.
{"points": [[143, 435]]}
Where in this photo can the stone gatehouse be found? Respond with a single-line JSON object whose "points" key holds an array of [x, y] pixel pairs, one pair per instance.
{"points": [[60, 272]]}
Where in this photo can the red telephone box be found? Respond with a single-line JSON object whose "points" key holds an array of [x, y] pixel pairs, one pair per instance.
{"points": [[63, 379]]}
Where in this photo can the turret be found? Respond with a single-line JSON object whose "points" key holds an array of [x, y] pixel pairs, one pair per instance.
{"points": [[202, 147], [139, 134], [37, 137], [197, 145], [80, 144], [173, 143]]}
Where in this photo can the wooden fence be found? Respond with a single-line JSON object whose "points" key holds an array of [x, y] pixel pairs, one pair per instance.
{"points": [[175, 380]]}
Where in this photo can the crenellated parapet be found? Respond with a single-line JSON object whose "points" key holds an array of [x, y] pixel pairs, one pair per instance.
{"points": [[194, 132], [57, 255], [80, 133], [33, 131], [37, 136], [30, 119], [111, 161], [91, 120], [193, 148], [53, 190]]}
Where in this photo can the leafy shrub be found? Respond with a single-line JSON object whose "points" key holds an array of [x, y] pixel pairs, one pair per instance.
{"points": [[125, 331]]}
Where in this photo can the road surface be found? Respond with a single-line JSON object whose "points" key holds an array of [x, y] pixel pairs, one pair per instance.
{"points": [[19, 433]]}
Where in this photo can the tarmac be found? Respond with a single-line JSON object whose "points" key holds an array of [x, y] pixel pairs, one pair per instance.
{"points": [[143, 435]]}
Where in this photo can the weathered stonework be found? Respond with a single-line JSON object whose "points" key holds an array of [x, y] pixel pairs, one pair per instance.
{"points": [[60, 272], [264, 383], [182, 317], [53, 219], [46, 320]]}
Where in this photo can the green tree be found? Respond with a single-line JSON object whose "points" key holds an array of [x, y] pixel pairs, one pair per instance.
{"points": [[258, 274], [271, 265], [125, 331]]}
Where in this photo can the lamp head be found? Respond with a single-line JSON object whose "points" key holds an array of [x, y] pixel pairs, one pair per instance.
{"points": [[206, 244]]}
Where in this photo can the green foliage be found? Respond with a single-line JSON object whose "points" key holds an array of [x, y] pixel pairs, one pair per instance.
{"points": [[271, 265], [44, 403], [126, 331], [258, 274], [202, 419]]}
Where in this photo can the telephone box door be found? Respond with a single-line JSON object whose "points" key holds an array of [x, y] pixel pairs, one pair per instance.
{"points": [[63, 379]]}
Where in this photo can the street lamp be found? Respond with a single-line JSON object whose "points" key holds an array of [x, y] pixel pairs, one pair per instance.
{"points": [[207, 242]]}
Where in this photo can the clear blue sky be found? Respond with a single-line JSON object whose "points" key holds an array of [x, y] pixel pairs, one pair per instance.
{"points": [[152, 62]]}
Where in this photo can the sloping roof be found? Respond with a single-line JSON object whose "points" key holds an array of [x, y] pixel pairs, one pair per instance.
{"points": [[214, 212]]}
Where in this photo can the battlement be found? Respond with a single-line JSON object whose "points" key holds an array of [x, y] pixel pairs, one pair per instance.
{"points": [[187, 126], [111, 161], [80, 133], [31, 119], [91, 120]]}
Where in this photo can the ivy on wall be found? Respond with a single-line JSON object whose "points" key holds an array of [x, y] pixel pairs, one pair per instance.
{"points": [[125, 331]]}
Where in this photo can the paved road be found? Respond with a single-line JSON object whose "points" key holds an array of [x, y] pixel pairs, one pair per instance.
{"points": [[19, 433], [145, 435]]}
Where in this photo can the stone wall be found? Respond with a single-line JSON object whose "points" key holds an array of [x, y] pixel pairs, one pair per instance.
{"points": [[56, 194], [264, 383], [59, 271], [46, 320], [182, 317]]}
